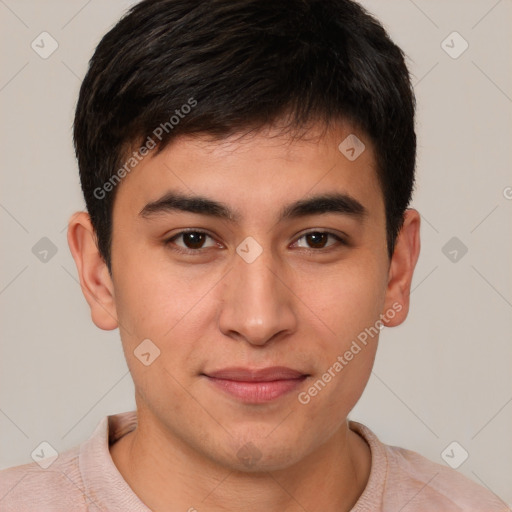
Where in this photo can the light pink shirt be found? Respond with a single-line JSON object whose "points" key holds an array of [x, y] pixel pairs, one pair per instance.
{"points": [[85, 478]]}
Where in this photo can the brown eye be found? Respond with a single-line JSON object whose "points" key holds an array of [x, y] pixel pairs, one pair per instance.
{"points": [[191, 241], [319, 240]]}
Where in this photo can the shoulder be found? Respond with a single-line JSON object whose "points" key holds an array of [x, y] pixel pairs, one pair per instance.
{"points": [[30, 487], [412, 482], [430, 484]]}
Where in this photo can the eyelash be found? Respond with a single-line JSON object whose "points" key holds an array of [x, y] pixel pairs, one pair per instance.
{"points": [[195, 252]]}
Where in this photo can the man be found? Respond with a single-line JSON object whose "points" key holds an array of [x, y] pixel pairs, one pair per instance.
{"points": [[247, 167]]}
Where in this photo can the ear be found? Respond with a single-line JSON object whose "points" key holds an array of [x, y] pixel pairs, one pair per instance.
{"points": [[401, 269], [95, 280]]}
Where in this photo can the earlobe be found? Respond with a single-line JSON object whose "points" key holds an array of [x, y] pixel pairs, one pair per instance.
{"points": [[401, 270], [95, 280]]}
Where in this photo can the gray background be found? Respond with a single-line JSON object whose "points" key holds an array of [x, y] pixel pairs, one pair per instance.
{"points": [[443, 376]]}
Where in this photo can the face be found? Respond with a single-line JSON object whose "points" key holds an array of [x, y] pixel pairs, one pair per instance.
{"points": [[254, 295]]}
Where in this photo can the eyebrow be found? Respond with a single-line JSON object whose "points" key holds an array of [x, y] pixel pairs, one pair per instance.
{"points": [[338, 203]]}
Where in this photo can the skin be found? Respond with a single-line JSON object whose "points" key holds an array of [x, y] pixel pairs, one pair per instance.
{"points": [[298, 305]]}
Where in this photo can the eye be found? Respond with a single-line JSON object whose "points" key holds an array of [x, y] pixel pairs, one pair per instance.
{"points": [[319, 239], [195, 241], [192, 241]]}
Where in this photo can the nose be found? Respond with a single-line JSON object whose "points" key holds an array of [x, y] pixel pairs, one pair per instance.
{"points": [[257, 301]]}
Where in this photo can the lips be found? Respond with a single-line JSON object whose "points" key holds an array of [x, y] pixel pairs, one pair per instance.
{"points": [[256, 385], [261, 375]]}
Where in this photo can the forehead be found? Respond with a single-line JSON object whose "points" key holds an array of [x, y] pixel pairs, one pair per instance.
{"points": [[257, 171]]}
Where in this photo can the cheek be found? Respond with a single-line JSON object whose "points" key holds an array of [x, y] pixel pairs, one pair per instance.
{"points": [[347, 307], [347, 301], [165, 305], [152, 295]]}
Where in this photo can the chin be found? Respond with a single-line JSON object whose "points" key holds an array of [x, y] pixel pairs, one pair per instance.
{"points": [[252, 461], [256, 454]]}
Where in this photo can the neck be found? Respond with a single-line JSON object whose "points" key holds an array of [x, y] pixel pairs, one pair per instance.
{"points": [[165, 472]]}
